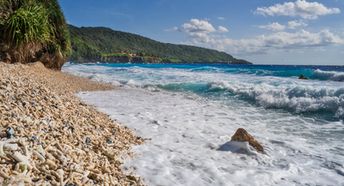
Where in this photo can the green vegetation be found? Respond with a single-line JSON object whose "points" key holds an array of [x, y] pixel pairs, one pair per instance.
{"points": [[33, 30], [104, 44], [36, 30]]}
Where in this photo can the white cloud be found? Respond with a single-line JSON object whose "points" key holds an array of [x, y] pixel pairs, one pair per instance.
{"points": [[198, 26], [221, 18], [273, 26], [201, 30], [222, 29], [276, 27], [203, 33], [299, 8], [281, 40], [296, 24], [274, 41], [198, 29]]}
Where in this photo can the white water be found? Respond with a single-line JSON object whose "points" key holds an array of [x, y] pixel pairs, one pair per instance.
{"points": [[291, 94], [189, 133], [186, 132], [330, 75]]}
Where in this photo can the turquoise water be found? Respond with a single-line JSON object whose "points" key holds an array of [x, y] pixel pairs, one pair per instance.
{"points": [[334, 73], [270, 86], [189, 111]]}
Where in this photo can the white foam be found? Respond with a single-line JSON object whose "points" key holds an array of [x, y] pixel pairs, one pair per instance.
{"points": [[187, 133], [329, 75], [296, 98], [291, 94]]}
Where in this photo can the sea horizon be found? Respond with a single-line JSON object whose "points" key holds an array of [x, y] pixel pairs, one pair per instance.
{"points": [[205, 63]]}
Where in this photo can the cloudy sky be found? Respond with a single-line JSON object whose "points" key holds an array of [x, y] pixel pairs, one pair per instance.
{"points": [[261, 31]]}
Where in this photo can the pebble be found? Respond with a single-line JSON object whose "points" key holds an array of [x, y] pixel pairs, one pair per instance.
{"points": [[109, 141], [9, 132], [42, 126], [88, 140]]}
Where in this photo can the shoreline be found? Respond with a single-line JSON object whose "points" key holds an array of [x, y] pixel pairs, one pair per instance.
{"points": [[49, 136], [188, 131]]}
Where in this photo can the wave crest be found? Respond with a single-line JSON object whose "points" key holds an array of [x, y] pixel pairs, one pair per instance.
{"points": [[298, 99], [328, 75]]}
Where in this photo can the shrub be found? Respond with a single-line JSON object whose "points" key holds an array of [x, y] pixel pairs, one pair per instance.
{"points": [[34, 30]]}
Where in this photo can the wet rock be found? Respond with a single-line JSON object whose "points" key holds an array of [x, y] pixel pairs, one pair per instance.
{"points": [[88, 140], [9, 132], [241, 135], [303, 77]]}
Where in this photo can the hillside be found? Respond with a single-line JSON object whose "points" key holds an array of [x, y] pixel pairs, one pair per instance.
{"points": [[91, 44]]}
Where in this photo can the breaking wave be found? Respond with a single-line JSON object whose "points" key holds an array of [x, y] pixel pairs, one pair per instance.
{"points": [[297, 99], [328, 75]]}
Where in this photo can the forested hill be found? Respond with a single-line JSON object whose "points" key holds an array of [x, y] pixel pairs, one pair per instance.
{"points": [[90, 44]]}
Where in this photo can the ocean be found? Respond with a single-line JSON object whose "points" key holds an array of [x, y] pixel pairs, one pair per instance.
{"points": [[188, 112]]}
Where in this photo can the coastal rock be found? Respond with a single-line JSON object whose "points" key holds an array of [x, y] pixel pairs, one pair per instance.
{"points": [[303, 77], [241, 135]]}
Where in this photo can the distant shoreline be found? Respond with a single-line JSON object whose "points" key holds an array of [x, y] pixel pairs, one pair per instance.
{"points": [[170, 63], [201, 63]]}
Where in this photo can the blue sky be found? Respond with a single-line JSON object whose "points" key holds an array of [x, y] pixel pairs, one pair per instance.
{"points": [[261, 31]]}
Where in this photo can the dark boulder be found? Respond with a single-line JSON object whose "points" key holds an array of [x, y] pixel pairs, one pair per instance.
{"points": [[302, 77]]}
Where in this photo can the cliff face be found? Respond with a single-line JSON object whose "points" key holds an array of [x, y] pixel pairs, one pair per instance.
{"points": [[32, 31]]}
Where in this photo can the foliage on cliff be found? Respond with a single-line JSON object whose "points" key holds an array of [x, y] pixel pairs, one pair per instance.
{"points": [[33, 30], [104, 44]]}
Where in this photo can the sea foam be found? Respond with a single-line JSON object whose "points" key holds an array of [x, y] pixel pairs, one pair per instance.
{"points": [[298, 99], [313, 97], [188, 141], [328, 75], [188, 114]]}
